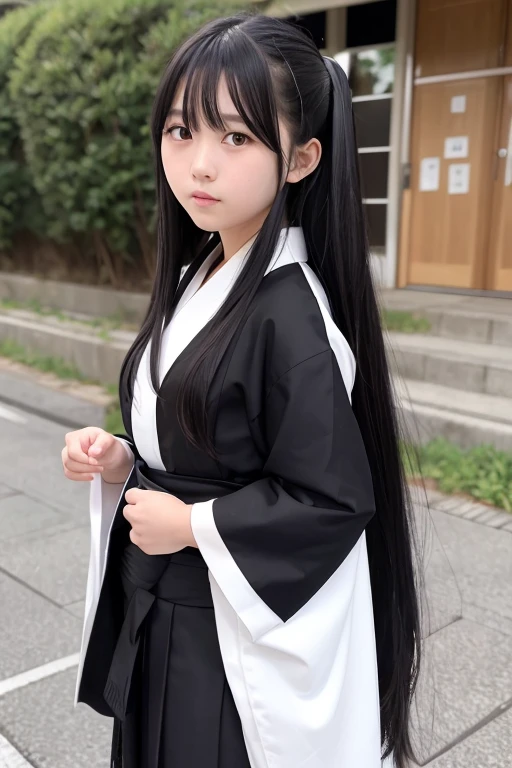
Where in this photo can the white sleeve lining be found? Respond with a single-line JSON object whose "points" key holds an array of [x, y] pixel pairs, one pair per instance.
{"points": [[252, 610]]}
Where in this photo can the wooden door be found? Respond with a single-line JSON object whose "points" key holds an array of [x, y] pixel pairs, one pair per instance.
{"points": [[449, 227], [499, 276], [459, 35]]}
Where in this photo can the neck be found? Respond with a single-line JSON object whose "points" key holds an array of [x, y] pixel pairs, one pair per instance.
{"points": [[235, 238]]}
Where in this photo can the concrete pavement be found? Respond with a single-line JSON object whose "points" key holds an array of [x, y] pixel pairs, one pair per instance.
{"points": [[466, 684]]}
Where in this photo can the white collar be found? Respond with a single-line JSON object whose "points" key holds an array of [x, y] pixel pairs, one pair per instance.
{"points": [[291, 248]]}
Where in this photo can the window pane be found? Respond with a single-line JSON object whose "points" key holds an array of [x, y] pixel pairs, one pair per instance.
{"points": [[371, 23], [376, 218], [314, 24], [371, 71], [372, 122], [374, 174]]}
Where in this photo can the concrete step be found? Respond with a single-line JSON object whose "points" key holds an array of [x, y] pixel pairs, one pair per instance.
{"points": [[96, 356], [473, 409], [482, 320], [484, 368], [90, 300], [465, 418], [63, 401]]}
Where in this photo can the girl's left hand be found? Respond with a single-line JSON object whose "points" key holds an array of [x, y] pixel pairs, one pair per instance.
{"points": [[160, 522]]}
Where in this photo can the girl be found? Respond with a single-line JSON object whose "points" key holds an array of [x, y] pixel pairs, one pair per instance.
{"points": [[256, 504]]}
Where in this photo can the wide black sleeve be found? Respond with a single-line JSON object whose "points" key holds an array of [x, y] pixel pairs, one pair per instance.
{"points": [[273, 544]]}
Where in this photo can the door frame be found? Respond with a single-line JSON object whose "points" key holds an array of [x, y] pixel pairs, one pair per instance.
{"points": [[406, 208], [491, 273]]}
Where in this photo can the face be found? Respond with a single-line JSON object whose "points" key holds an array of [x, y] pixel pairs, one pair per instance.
{"points": [[226, 180]]}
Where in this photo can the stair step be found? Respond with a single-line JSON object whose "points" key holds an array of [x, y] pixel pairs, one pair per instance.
{"points": [[464, 418], [467, 318], [96, 357], [468, 366], [431, 408]]}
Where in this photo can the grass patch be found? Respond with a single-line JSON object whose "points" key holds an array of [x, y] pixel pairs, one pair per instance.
{"points": [[103, 324], [56, 365], [113, 420], [483, 472], [34, 306], [59, 367], [404, 322]]}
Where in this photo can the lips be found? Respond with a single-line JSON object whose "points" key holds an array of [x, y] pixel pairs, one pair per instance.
{"points": [[203, 199], [204, 196]]}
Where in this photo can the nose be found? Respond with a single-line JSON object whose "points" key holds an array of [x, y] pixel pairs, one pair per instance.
{"points": [[203, 165]]}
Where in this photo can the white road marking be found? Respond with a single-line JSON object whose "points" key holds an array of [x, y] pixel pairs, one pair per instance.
{"points": [[10, 757], [36, 674], [11, 415]]}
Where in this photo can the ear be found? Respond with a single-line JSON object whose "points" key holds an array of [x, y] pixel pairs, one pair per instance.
{"points": [[304, 161]]}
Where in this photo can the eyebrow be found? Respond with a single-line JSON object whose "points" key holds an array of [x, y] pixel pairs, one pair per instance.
{"points": [[234, 118]]}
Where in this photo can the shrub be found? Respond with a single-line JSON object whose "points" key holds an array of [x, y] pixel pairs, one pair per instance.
{"points": [[482, 472], [83, 85], [20, 206]]}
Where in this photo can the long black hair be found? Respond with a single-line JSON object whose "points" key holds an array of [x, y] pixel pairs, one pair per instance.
{"points": [[273, 70]]}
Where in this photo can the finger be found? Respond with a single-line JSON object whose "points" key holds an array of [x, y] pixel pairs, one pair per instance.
{"points": [[100, 446], [74, 448], [77, 475], [87, 436], [134, 537], [79, 467], [128, 513], [71, 464], [134, 495]]}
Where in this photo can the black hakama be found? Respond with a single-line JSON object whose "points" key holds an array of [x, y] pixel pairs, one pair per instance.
{"points": [[166, 682], [183, 713]]}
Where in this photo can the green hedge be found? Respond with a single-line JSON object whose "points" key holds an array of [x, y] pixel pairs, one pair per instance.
{"points": [[80, 89], [20, 206]]}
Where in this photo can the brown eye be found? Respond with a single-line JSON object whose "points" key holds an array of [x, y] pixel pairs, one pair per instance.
{"points": [[237, 139], [179, 133]]}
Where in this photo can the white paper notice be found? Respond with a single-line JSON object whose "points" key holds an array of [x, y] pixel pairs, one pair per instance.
{"points": [[458, 104], [429, 174], [456, 147], [458, 178]]}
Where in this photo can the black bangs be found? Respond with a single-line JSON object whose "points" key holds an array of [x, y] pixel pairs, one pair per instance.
{"points": [[251, 89]]}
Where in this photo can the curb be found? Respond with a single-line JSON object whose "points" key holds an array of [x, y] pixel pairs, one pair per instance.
{"points": [[45, 396], [473, 511]]}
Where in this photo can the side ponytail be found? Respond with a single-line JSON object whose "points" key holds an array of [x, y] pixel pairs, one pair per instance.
{"points": [[335, 229]]}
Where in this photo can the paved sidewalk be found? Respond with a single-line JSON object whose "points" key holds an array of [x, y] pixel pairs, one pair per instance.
{"points": [[465, 686], [44, 542]]}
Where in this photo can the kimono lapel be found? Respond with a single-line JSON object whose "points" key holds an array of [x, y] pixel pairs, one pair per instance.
{"points": [[198, 305], [188, 272], [195, 308], [291, 249], [197, 279]]}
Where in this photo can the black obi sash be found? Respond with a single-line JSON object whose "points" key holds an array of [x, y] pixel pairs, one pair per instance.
{"points": [[180, 578]]}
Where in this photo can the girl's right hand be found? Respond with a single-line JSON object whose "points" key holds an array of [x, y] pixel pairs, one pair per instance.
{"points": [[93, 450]]}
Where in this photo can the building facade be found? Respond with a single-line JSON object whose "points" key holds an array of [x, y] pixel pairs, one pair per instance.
{"points": [[432, 92]]}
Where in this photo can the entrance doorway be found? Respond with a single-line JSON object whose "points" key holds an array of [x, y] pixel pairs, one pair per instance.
{"points": [[460, 227]]}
